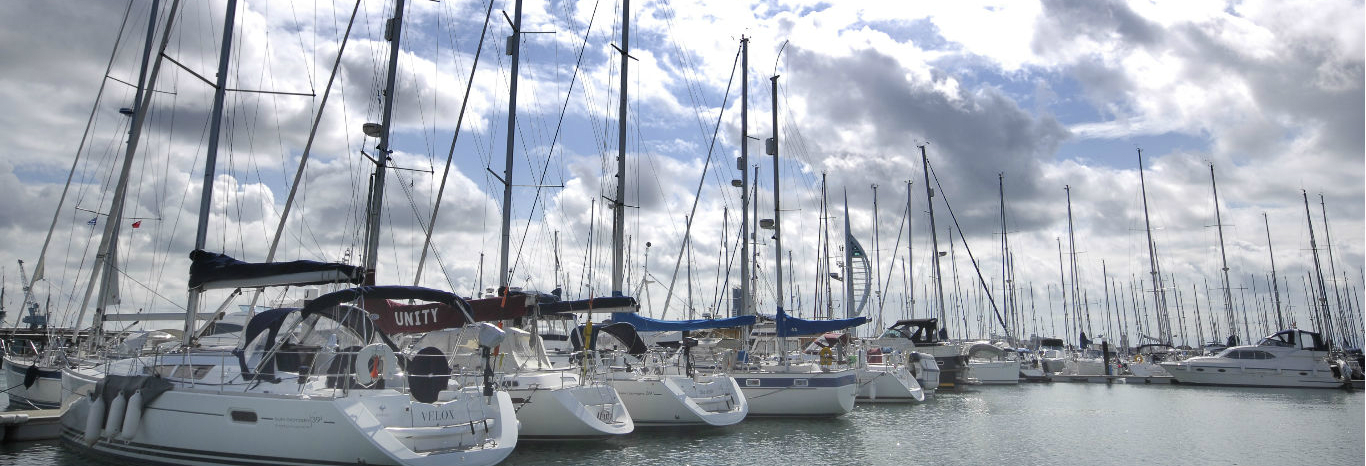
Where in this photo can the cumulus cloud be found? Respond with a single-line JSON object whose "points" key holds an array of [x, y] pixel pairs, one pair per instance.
{"points": [[1272, 91]]}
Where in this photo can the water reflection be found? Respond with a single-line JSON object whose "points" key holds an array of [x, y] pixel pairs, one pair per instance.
{"points": [[1029, 424]]}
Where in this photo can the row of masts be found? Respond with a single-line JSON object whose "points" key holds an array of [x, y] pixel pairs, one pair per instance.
{"points": [[1012, 321]]}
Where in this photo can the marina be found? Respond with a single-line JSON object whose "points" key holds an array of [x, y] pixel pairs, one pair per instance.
{"points": [[247, 262]]}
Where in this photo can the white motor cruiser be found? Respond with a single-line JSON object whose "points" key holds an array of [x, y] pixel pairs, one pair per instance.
{"points": [[1290, 358], [317, 384]]}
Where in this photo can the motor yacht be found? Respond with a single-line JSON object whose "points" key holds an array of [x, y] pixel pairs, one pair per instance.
{"points": [[1289, 358]]}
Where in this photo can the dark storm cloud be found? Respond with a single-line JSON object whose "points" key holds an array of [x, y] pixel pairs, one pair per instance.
{"points": [[974, 134]]}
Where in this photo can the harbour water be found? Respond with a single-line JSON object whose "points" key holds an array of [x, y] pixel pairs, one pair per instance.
{"points": [[1058, 423]]}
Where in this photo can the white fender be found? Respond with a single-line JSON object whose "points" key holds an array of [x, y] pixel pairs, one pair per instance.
{"points": [[133, 419], [93, 418], [388, 363], [114, 422]]}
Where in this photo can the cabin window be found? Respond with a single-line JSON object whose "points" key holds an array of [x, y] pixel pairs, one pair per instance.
{"points": [[240, 415], [751, 382], [800, 382], [195, 371]]}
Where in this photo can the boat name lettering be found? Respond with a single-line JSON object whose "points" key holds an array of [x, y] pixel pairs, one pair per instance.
{"points": [[418, 317], [442, 415]]}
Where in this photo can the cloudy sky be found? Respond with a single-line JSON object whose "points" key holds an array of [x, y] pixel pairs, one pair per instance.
{"points": [[1045, 95]]}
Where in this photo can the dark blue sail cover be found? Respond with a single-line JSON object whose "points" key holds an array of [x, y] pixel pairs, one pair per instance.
{"points": [[789, 326], [210, 270], [646, 324]]}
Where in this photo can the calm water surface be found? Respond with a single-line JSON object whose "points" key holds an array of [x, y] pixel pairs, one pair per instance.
{"points": [[1059, 423]]}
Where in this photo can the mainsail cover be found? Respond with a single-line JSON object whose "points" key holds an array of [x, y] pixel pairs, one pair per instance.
{"points": [[615, 305], [789, 326], [210, 271], [646, 324]]}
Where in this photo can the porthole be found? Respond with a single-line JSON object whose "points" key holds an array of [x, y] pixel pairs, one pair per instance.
{"points": [[1221, 370]]}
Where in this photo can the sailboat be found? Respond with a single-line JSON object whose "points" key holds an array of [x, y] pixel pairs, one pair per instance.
{"points": [[926, 335], [661, 386], [781, 383], [35, 376], [317, 383]]}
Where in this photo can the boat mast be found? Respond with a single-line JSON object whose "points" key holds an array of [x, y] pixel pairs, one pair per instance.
{"points": [[619, 203], [1077, 300], [848, 263], [1332, 266], [1275, 288], [743, 165], [877, 260], [934, 240], [825, 254], [104, 258], [910, 262], [515, 47], [392, 30], [1325, 319], [1163, 324], [1005, 248], [61, 200], [1223, 257], [772, 147], [1062, 288]]}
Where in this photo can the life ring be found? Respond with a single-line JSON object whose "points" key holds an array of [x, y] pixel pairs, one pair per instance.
{"points": [[373, 363], [1138, 358]]}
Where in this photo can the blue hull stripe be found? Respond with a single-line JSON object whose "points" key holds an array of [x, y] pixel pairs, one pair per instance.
{"points": [[795, 382]]}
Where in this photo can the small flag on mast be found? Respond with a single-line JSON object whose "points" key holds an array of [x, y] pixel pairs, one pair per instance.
{"points": [[92, 221], [137, 224]]}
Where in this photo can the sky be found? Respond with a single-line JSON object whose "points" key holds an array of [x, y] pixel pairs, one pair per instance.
{"points": [[1026, 104]]}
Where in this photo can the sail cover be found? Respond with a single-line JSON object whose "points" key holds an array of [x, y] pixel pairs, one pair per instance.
{"points": [[615, 305], [210, 271], [791, 326], [646, 324]]}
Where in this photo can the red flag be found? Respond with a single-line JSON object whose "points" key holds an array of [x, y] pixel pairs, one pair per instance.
{"points": [[137, 224]]}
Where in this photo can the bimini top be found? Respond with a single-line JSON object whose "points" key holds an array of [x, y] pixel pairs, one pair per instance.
{"points": [[646, 324], [330, 305], [210, 270], [791, 326], [622, 332]]}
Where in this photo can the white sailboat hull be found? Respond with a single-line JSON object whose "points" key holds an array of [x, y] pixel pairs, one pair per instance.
{"points": [[996, 372], [195, 427], [881, 383], [44, 393], [805, 394], [681, 400], [558, 412]]}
